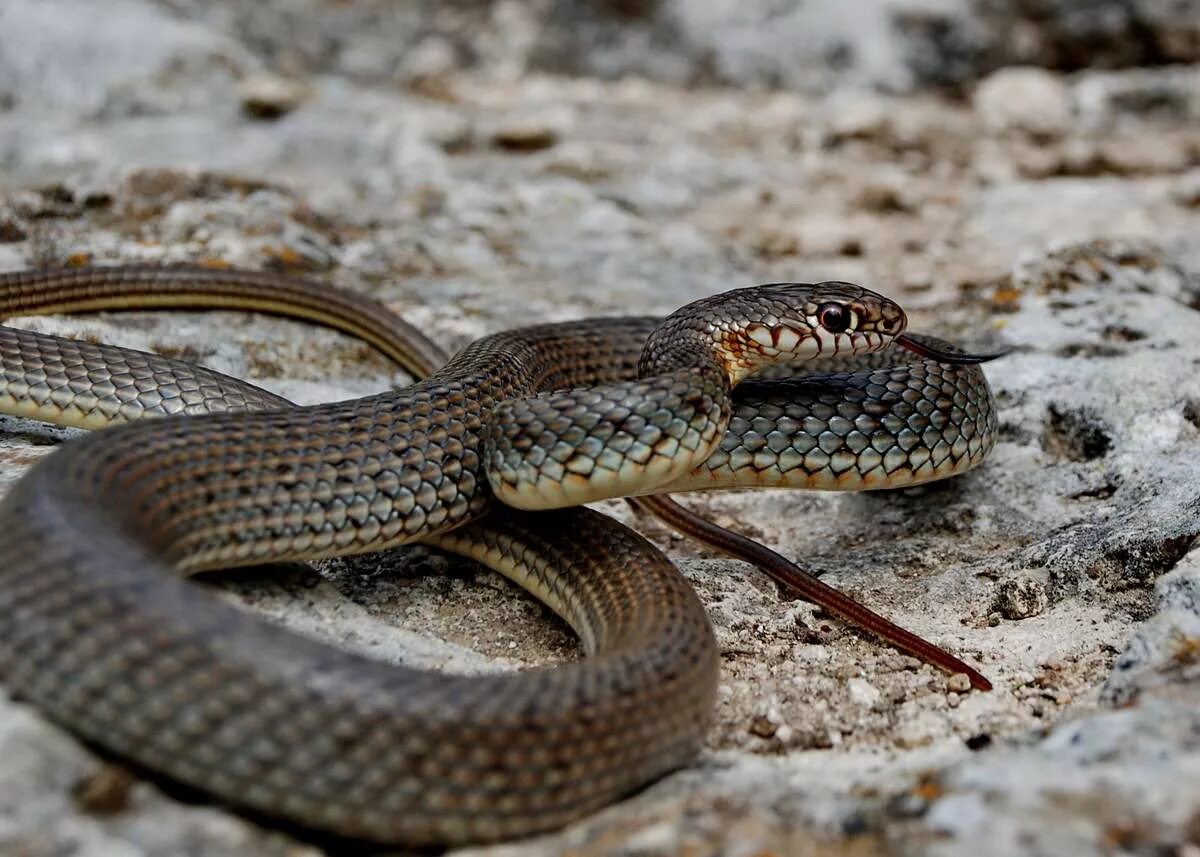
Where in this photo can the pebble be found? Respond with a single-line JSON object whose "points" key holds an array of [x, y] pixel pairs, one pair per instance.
{"points": [[767, 720], [1020, 598], [531, 132], [959, 683], [1144, 155], [863, 692], [432, 59], [1187, 192], [762, 726], [887, 193], [1030, 100], [859, 116], [269, 96]]}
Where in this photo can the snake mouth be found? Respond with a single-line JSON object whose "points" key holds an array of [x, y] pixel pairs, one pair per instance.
{"points": [[941, 356]]}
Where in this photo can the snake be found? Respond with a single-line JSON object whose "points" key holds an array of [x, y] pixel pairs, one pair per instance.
{"points": [[104, 628]]}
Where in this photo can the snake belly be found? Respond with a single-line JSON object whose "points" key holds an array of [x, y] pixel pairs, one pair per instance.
{"points": [[98, 630]]}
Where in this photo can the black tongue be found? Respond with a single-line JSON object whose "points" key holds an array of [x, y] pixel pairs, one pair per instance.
{"points": [[934, 353]]}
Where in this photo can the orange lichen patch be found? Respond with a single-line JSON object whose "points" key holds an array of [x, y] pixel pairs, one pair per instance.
{"points": [[929, 790], [78, 260], [1186, 650], [214, 263], [1006, 298], [285, 257], [1129, 834]]}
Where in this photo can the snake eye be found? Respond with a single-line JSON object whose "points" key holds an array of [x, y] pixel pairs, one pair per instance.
{"points": [[836, 318]]}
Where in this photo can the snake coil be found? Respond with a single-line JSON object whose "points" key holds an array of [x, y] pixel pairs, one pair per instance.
{"points": [[98, 629]]}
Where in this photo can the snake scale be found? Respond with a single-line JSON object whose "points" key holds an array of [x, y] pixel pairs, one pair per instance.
{"points": [[100, 629]]}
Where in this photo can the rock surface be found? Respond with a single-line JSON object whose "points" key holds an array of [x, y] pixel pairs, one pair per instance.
{"points": [[899, 45], [478, 199]]}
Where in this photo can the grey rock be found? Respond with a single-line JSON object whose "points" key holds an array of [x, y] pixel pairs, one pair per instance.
{"points": [[897, 45], [1104, 100], [1070, 35], [1165, 650], [117, 58]]}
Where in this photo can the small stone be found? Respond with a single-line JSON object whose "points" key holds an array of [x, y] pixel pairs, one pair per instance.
{"points": [[1020, 598], [859, 117], [105, 792], [766, 722], [12, 229], [1039, 162], [433, 59], [1025, 99], [659, 838], [762, 726], [958, 683], [1078, 157], [1144, 154], [531, 132], [269, 96], [863, 692], [1187, 192], [580, 161], [887, 194]]}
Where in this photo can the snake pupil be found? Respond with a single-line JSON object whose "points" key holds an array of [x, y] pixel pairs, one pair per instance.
{"points": [[833, 317]]}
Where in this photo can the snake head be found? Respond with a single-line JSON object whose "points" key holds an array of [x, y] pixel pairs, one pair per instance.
{"points": [[747, 329]]}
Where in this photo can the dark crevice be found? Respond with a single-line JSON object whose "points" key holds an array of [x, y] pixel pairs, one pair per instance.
{"points": [[1191, 412], [1098, 492], [1076, 435], [1089, 349]]}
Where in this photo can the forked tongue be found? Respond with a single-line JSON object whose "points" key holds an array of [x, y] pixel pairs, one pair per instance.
{"points": [[942, 356]]}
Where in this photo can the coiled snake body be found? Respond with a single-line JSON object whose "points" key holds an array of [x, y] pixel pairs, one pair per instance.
{"points": [[98, 629]]}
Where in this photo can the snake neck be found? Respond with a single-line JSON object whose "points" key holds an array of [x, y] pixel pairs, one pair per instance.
{"points": [[684, 347], [618, 435], [725, 357], [697, 341]]}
